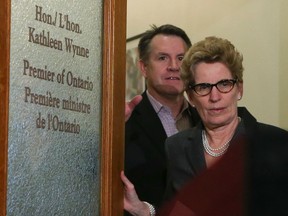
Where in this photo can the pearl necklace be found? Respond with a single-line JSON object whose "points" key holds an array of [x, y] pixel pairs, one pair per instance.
{"points": [[211, 151], [222, 149]]}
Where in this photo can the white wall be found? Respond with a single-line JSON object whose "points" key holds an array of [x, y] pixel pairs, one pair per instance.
{"points": [[258, 28]]}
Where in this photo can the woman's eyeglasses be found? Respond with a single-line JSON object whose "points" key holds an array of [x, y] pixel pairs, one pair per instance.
{"points": [[223, 86]]}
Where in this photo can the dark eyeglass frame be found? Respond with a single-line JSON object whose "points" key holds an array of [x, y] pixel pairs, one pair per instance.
{"points": [[210, 86]]}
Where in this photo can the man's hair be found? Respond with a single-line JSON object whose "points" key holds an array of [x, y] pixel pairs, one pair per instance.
{"points": [[167, 29]]}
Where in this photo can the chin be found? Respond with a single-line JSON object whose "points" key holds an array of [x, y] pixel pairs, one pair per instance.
{"points": [[216, 121], [171, 90]]}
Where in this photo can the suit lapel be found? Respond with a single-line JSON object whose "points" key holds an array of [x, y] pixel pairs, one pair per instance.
{"points": [[194, 150]]}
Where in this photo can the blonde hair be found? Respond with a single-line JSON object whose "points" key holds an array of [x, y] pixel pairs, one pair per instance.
{"points": [[211, 49]]}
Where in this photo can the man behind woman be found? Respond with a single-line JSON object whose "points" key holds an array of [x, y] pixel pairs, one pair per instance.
{"points": [[162, 112]]}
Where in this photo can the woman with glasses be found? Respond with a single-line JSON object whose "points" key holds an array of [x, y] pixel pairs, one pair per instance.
{"points": [[212, 72]]}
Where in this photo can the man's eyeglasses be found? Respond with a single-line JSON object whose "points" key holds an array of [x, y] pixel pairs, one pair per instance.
{"points": [[223, 86]]}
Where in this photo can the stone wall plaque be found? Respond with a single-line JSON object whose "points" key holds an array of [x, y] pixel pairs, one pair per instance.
{"points": [[55, 107]]}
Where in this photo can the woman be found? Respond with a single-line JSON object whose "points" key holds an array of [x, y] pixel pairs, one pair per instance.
{"points": [[213, 74], [212, 71]]}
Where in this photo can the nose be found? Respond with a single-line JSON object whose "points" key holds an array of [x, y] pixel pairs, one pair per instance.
{"points": [[214, 95], [174, 66]]}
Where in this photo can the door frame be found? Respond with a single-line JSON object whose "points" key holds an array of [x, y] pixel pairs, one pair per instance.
{"points": [[113, 103], [114, 67]]}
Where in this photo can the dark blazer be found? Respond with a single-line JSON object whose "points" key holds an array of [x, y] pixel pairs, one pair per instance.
{"points": [[145, 159], [265, 160]]}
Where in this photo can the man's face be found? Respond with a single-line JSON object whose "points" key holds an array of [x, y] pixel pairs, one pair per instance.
{"points": [[162, 71]]}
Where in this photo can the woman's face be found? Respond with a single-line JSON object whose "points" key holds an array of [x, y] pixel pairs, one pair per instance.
{"points": [[215, 109]]}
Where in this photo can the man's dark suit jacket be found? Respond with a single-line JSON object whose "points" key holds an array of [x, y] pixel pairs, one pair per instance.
{"points": [[145, 159]]}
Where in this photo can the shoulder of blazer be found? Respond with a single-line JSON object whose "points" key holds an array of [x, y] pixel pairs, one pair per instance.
{"points": [[145, 105], [187, 147], [145, 118], [144, 108], [182, 139]]}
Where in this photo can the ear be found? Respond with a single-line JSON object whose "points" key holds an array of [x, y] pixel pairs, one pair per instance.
{"points": [[240, 90], [190, 98], [143, 68]]}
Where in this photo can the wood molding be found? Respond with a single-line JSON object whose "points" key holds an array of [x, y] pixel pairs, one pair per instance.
{"points": [[113, 101], [113, 95], [4, 98]]}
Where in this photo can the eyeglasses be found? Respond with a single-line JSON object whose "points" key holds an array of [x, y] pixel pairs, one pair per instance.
{"points": [[223, 86]]}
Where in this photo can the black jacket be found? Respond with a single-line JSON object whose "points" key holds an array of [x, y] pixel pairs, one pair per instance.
{"points": [[264, 159]]}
